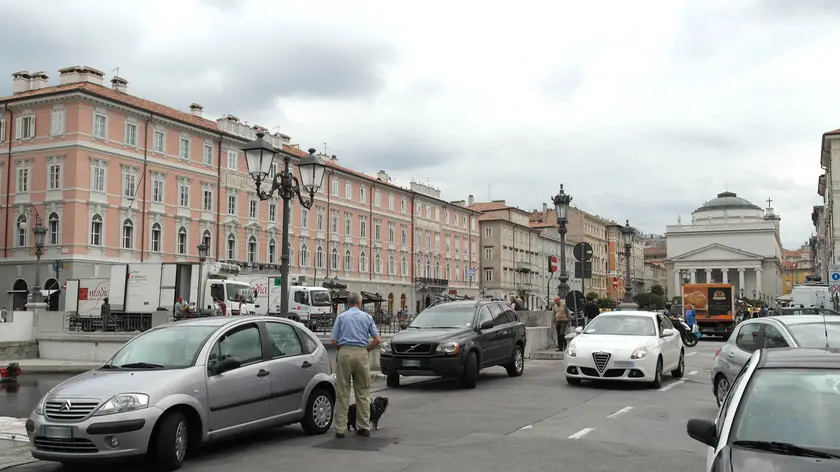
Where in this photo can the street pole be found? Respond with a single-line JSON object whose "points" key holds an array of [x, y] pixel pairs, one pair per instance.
{"points": [[284, 253], [40, 232], [628, 233], [202, 258], [561, 207]]}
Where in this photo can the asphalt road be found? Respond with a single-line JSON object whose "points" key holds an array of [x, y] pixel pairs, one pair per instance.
{"points": [[19, 403], [533, 423]]}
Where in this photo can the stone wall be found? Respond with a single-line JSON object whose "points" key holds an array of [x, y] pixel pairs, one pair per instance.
{"points": [[17, 350], [537, 319]]}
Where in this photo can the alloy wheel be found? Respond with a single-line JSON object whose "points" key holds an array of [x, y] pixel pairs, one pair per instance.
{"points": [[322, 411]]}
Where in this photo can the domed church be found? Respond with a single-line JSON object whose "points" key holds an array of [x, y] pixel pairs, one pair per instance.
{"points": [[729, 240]]}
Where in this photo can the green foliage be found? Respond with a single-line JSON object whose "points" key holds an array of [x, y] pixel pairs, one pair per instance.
{"points": [[606, 302], [657, 290], [592, 296], [650, 301]]}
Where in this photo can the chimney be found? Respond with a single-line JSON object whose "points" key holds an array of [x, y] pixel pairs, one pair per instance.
{"points": [[471, 201], [119, 84], [38, 81], [545, 208], [75, 74], [196, 110], [382, 176], [21, 82], [334, 159]]}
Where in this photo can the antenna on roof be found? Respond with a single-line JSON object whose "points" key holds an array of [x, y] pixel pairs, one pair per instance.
{"points": [[325, 148], [117, 70]]}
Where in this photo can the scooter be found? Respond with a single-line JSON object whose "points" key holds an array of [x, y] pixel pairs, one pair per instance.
{"points": [[689, 338]]}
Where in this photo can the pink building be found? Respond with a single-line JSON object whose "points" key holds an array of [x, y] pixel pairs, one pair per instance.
{"points": [[118, 178]]}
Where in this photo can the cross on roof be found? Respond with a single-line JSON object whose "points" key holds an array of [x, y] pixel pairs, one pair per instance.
{"points": [[769, 202]]}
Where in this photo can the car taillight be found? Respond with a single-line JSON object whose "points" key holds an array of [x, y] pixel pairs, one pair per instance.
{"points": [[716, 353]]}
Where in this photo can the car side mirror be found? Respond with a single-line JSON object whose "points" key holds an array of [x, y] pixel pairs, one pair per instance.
{"points": [[579, 329], [702, 430], [227, 365], [667, 333], [487, 325]]}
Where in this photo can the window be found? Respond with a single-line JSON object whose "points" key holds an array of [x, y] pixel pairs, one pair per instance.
{"points": [[207, 199], [446, 216], [156, 234], [206, 239], [334, 259], [391, 235], [2, 130], [182, 240], [363, 194], [184, 148], [348, 222], [54, 229], [233, 159], [283, 341], [319, 258], [252, 209], [128, 234], [25, 127], [377, 198], [348, 191], [100, 127], [363, 262], [131, 134], [404, 266], [319, 219], [348, 260], [488, 253], [98, 183], [184, 194], [232, 205], [272, 251], [773, 338], [231, 247], [377, 230], [158, 142], [242, 342], [157, 190], [334, 221], [747, 338], [428, 212], [363, 226], [488, 232], [22, 231], [392, 265], [129, 184], [448, 272], [304, 255], [23, 180], [304, 218], [54, 177], [377, 264], [96, 230], [334, 188], [403, 235], [208, 154], [57, 125], [488, 275], [272, 212], [391, 201], [252, 249]]}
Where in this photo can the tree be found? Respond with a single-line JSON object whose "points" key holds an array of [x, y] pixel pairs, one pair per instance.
{"points": [[592, 296], [606, 302], [650, 301], [657, 290]]}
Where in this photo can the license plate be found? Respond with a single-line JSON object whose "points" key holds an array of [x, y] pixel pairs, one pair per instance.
{"points": [[624, 364], [410, 363], [58, 432]]}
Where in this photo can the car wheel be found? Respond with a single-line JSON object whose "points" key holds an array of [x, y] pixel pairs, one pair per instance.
{"points": [[680, 370], [517, 364], [573, 381], [392, 380], [721, 388], [657, 377], [170, 448], [318, 416], [470, 376]]}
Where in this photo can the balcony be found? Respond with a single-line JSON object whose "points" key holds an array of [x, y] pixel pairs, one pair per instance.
{"points": [[523, 266], [429, 282]]}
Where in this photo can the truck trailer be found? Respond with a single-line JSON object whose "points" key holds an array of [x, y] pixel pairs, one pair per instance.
{"points": [[714, 307]]}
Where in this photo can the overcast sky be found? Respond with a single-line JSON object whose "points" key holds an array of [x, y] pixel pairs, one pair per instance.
{"points": [[644, 110]]}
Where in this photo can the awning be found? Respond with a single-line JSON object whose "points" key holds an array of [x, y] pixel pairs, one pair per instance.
{"points": [[339, 296], [368, 297]]}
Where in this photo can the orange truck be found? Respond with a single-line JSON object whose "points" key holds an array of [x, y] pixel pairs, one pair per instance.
{"points": [[714, 307]]}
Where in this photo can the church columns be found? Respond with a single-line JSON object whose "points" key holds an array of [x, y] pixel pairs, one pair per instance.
{"points": [[677, 281], [709, 276], [758, 280], [725, 272], [693, 273], [741, 281]]}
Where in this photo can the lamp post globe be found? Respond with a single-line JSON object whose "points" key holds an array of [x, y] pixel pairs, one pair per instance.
{"points": [[628, 233], [686, 277], [259, 155], [311, 170], [561, 208]]}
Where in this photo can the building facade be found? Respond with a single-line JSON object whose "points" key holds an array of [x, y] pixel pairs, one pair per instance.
{"points": [[797, 266], [826, 217], [729, 240], [656, 274], [117, 178], [618, 263], [548, 281]]}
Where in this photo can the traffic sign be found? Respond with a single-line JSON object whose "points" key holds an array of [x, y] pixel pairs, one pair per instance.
{"points": [[582, 251], [834, 275], [615, 282], [832, 289], [552, 263], [575, 300], [58, 266]]}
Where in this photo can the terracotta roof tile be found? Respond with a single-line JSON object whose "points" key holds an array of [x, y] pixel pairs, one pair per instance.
{"points": [[489, 206], [490, 218]]}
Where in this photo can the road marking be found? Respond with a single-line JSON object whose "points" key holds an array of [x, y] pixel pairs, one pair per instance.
{"points": [[670, 386], [693, 372], [620, 412], [581, 433], [526, 427], [692, 353]]}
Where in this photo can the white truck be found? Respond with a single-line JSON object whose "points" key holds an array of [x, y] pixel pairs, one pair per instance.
{"points": [[811, 295], [144, 287], [306, 303]]}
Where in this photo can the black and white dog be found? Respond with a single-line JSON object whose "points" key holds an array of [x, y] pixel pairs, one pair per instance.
{"points": [[377, 408]]}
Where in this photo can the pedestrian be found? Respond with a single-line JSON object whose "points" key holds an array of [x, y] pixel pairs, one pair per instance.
{"points": [[590, 311], [561, 321], [179, 306], [105, 314], [690, 316], [222, 307], [243, 307], [350, 334]]}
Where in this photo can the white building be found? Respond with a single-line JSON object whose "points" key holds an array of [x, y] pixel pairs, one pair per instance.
{"points": [[729, 240]]}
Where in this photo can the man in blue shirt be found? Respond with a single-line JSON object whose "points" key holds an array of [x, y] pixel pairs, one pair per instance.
{"points": [[351, 333]]}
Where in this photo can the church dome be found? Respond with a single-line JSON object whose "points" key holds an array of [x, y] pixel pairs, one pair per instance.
{"points": [[727, 201]]}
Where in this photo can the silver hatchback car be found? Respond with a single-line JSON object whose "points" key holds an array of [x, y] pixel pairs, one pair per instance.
{"points": [[182, 384]]}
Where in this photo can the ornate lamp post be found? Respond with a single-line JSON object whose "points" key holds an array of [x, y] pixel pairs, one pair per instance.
{"points": [[40, 232], [202, 258], [260, 156], [561, 207], [628, 233]]}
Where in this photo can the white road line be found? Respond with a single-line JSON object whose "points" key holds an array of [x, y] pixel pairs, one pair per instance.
{"points": [[693, 372], [670, 386], [620, 412], [526, 427], [692, 353], [581, 433]]}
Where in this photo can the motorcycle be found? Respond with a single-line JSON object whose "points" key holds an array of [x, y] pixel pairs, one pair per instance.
{"points": [[689, 338]]}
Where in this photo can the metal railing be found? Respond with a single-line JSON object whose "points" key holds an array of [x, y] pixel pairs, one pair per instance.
{"points": [[387, 324], [117, 323]]}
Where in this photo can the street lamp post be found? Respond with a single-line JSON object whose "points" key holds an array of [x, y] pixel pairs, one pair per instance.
{"points": [[561, 207], [260, 156], [628, 233], [202, 258], [40, 232]]}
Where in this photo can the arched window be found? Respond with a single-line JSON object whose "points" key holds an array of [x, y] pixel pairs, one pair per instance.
{"points": [[154, 244], [437, 270], [272, 251], [96, 230], [55, 229], [377, 264], [334, 259], [348, 260], [418, 270], [252, 249], [304, 255], [182, 240], [22, 231], [231, 247], [457, 271], [392, 265], [206, 240], [128, 234], [428, 272], [404, 268], [319, 257], [363, 262], [448, 272]]}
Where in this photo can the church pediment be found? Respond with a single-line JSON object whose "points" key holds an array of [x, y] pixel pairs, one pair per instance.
{"points": [[716, 252]]}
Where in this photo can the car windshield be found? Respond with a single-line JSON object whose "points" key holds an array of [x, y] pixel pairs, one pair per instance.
{"points": [[320, 297], [174, 347], [234, 291], [622, 325], [813, 334], [795, 406], [444, 317]]}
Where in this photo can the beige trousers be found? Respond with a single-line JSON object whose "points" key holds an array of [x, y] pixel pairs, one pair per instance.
{"points": [[353, 363]]}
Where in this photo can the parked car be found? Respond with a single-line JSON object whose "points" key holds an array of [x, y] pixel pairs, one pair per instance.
{"points": [[769, 333], [632, 346], [781, 414], [805, 311], [184, 384], [456, 339]]}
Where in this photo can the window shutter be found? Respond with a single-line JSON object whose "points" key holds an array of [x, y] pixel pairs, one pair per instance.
{"points": [[18, 122], [32, 127], [2, 130]]}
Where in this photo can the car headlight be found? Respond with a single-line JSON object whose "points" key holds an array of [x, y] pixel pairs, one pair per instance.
{"points": [[449, 348], [572, 350], [39, 408], [385, 347], [122, 403], [639, 353]]}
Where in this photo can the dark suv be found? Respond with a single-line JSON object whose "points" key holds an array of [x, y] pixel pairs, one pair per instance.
{"points": [[456, 339]]}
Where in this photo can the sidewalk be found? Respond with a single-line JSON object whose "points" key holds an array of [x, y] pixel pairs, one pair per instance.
{"points": [[53, 366]]}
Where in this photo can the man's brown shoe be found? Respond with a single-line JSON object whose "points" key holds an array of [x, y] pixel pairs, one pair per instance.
{"points": [[363, 432], [339, 435]]}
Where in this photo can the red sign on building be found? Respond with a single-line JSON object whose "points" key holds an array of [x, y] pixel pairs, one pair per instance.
{"points": [[552, 263]]}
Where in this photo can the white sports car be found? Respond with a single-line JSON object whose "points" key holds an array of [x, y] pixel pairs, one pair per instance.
{"points": [[632, 346]]}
